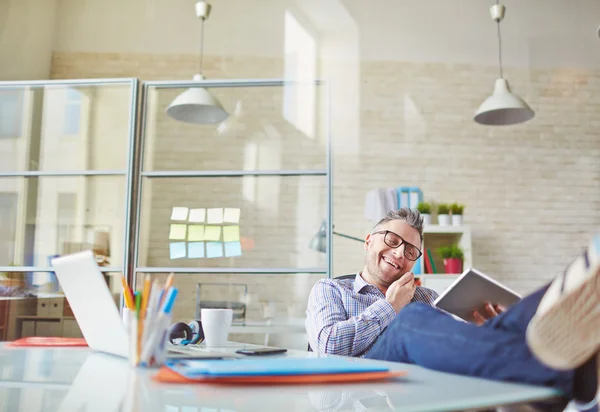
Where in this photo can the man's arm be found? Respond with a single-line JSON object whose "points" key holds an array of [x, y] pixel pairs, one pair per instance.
{"points": [[331, 331]]}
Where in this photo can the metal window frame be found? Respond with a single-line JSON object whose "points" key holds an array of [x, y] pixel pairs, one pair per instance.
{"points": [[327, 172]]}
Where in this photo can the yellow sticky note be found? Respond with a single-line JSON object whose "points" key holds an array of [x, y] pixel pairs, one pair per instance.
{"points": [[212, 233], [195, 233], [177, 232], [231, 233]]}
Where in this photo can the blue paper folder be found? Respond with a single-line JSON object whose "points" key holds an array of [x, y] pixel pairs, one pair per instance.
{"points": [[277, 366]]}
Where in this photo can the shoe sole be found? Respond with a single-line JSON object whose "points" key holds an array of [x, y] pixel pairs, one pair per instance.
{"points": [[568, 334]]}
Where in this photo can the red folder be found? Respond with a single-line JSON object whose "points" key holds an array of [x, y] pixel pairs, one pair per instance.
{"points": [[168, 375], [42, 341]]}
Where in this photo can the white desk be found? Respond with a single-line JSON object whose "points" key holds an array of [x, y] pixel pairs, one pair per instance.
{"points": [[66, 380]]}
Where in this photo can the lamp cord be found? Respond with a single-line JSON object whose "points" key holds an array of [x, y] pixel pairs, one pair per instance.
{"points": [[499, 45], [201, 45], [500, 50]]}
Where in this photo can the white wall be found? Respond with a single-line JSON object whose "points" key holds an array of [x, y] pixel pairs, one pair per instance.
{"points": [[535, 33], [27, 30]]}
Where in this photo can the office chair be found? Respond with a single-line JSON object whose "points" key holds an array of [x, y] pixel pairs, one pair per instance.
{"points": [[341, 277]]}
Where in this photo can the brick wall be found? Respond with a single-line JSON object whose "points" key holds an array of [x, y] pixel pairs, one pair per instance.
{"points": [[531, 191]]}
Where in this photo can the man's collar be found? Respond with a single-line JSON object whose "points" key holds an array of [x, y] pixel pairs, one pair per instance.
{"points": [[359, 283]]}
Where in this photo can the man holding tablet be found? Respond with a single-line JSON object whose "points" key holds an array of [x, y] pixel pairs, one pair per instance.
{"points": [[555, 347]]}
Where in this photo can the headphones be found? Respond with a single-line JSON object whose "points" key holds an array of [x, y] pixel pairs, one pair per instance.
{"points": [[182, 333]]}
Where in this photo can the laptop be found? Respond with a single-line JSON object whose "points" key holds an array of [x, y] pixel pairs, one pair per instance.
{"points": [[98, 317]]}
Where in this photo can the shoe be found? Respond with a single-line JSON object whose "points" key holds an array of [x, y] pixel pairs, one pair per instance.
{"points": [[565, 331]]}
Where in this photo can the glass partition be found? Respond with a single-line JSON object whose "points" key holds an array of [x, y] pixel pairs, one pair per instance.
{"points": [[231, 207], [66, 163]]}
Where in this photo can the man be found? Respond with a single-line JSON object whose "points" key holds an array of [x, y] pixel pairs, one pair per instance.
{"points": [[345, 317], [563, 335]]}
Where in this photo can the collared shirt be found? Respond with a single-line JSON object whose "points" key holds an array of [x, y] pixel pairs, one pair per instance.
{"points": [[345, 317]]}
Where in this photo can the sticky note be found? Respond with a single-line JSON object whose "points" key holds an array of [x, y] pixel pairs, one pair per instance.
{"points": [[195, 250], [197, 215], [177, 232], [177, 250], [231, 233], [179, 213], [212, 233], [214, 216], [214, 249], [196, 233], [231, 215], [233, 249]]}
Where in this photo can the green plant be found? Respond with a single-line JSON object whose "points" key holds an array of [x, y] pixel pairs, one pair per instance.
{"points": [[451, 251], [456, 209], [424, 208], [443, 209]]}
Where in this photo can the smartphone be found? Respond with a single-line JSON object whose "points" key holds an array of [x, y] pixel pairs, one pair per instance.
{"points": [[261, 351]]}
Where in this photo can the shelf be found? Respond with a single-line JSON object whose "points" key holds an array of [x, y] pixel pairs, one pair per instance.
{"points": [[446, 229]]}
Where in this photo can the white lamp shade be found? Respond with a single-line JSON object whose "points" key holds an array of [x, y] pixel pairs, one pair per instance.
{"points": [[197, 105], [503, 107]]}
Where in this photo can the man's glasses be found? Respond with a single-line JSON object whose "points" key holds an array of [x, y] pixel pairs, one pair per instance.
{"points": [[411, 252]]}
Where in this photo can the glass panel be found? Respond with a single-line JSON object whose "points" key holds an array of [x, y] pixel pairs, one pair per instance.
{"points": [[241, 222], [37, 306], [267, 308], [41, 217], [269, 128], [56, 127]]}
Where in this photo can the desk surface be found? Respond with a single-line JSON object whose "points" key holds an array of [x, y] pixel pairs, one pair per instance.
{"points": [[79, 379]]}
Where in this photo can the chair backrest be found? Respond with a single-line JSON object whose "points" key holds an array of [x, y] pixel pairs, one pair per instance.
{"points": [[341, 277]]}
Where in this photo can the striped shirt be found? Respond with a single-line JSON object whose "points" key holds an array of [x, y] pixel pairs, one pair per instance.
{"points": [[345, 317]]}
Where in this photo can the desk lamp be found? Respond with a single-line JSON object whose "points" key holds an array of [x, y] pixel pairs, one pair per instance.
{"points": [[319, 240]]}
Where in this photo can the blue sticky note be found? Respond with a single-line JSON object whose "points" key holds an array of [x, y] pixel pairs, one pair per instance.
{"points": [[195, 250], [177, 250], [233, 249], [214, 249]]}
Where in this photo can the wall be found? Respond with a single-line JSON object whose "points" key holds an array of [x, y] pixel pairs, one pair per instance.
{"points": [[27, 30], [404, 85]]}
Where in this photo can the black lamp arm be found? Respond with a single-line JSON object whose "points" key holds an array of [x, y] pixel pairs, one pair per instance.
{"points": [[348, 237]]}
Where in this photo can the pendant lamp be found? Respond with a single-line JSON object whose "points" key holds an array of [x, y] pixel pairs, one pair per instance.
{"points": [[196, 104], [502, 107]]}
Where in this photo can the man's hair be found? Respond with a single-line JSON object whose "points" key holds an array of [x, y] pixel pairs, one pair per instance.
{"points": [[411, 216]]}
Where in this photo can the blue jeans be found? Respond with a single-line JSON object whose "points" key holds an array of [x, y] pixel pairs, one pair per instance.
{"points": [[423, 335]]}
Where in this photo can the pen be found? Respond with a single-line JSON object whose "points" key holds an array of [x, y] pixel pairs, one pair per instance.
{"points": [[159, 324], [127, 293]]}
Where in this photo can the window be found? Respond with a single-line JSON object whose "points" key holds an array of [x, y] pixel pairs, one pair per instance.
{"points": [[8, 227], [299, 103], [72, 119], [204, 233], [11, 113]]}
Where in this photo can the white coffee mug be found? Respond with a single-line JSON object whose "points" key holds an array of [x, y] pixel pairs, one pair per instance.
{"points": [[216, 324]]}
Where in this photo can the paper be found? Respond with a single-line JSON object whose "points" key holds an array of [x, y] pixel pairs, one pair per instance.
{"points": [[231, 215], [195, 250], [214, 249], [231, 233], [214, 216], [212, 233], [233, 249], [196, 233], [197, 215], [177, 232], [177, 250], [179, 213]]}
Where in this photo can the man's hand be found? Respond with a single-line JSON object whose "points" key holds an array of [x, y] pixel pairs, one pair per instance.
{"points": [[490, 312], [400, 293]]}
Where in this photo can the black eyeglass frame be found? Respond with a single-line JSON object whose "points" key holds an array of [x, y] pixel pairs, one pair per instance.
{"points": [[402, 242]]}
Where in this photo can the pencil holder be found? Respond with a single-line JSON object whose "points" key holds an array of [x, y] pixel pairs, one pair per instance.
{"points": [[147, 336]]}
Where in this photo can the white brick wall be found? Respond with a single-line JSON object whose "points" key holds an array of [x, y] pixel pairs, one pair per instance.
{"points": [[531, 191]]}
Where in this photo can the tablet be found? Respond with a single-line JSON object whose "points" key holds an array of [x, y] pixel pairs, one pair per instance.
{"points": [[472, 290]]}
